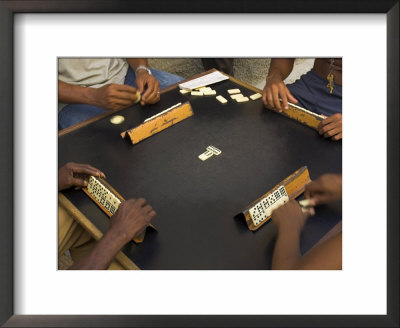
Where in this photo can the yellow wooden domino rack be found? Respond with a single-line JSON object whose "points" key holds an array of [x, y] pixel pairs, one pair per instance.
{"points": [[159, 123], [302, 115], [294, 185], [138, 239]]}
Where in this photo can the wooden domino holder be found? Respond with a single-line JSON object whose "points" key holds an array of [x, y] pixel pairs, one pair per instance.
{"points": [[138, 239], [302, 115], [294, 185], [159, 123]]}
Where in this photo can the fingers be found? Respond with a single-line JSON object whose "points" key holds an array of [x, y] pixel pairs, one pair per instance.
{"points": [[124, 88], [332, 133], [337, 137], [309, 211], [330, 130], [150, 212], [140, 82], [77, 182], [312, 188], [331, 127], [291, 98], [151, 94], [275, 97], [270, 100], [121, 94], [141, 202], [273, 93], [86, 169]]}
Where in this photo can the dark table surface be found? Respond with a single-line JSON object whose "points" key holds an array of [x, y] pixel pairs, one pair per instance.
{"points": [[196, 201]]}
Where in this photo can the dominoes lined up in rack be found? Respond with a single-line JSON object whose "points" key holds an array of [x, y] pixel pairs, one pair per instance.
{"points": [[264, 208], [108, 199], [259, 212]]}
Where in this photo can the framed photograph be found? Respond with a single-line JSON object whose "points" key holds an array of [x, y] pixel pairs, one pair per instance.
{"points": [[34, 34]]}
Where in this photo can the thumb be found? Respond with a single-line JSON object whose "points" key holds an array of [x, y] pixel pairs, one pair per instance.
{"points": [[140, 85]]}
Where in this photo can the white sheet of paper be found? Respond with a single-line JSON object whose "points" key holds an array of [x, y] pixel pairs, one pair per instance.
{"points": [[202, 81]]}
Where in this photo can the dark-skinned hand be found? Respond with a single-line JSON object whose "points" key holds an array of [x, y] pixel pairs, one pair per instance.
{"points": [[331, 127], [76, 175], [147, 82], [326, 189], [131, 218], [275, 89], [290, 217], [114, 96]]}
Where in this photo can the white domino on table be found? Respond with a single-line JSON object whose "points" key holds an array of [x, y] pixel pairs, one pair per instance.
{"points": [[238, 95], [233, 91], [206, 155], [214, 150], [264, 208], [242, 99], [183, 91], [255, 96], [196, 93], [222, 99], [209, 92], [204, 89]]}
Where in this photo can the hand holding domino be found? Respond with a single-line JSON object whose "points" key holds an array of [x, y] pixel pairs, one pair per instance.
{"points": [[290, 217], [326, 189]]}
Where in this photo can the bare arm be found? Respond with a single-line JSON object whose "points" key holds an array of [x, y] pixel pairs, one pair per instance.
{"points": [[136, 62], [290, 221], [131, 218], [287, 250], [280, 67], [274, 89], [102, 254], [109, 96], [75, 94], [326, 256]]}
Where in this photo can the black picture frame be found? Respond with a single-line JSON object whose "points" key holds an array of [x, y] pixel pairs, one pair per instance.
{"points": [[7, 11]]}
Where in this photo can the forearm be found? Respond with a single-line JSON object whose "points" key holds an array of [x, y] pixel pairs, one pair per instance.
{"points": [[287, 250], [136, 62], [74, 94], [102, 254], [281, 67]]}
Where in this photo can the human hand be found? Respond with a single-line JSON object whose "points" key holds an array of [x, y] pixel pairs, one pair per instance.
{"points": [[146, 81], [73, 174], [331, 127], [114, 96], [131, 218], [290, 217], [326, 189], [275, 89]]}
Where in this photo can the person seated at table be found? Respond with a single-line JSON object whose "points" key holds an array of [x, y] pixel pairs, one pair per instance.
{"points": [[90, 86], [290, 221], [319, 90], [222, 64], [131, 218]]}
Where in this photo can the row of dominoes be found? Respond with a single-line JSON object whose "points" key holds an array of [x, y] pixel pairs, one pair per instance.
{"points": [[264, 208], [234, 93], [211, 150], [203, 91], [104, 196], [238, 96]]}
